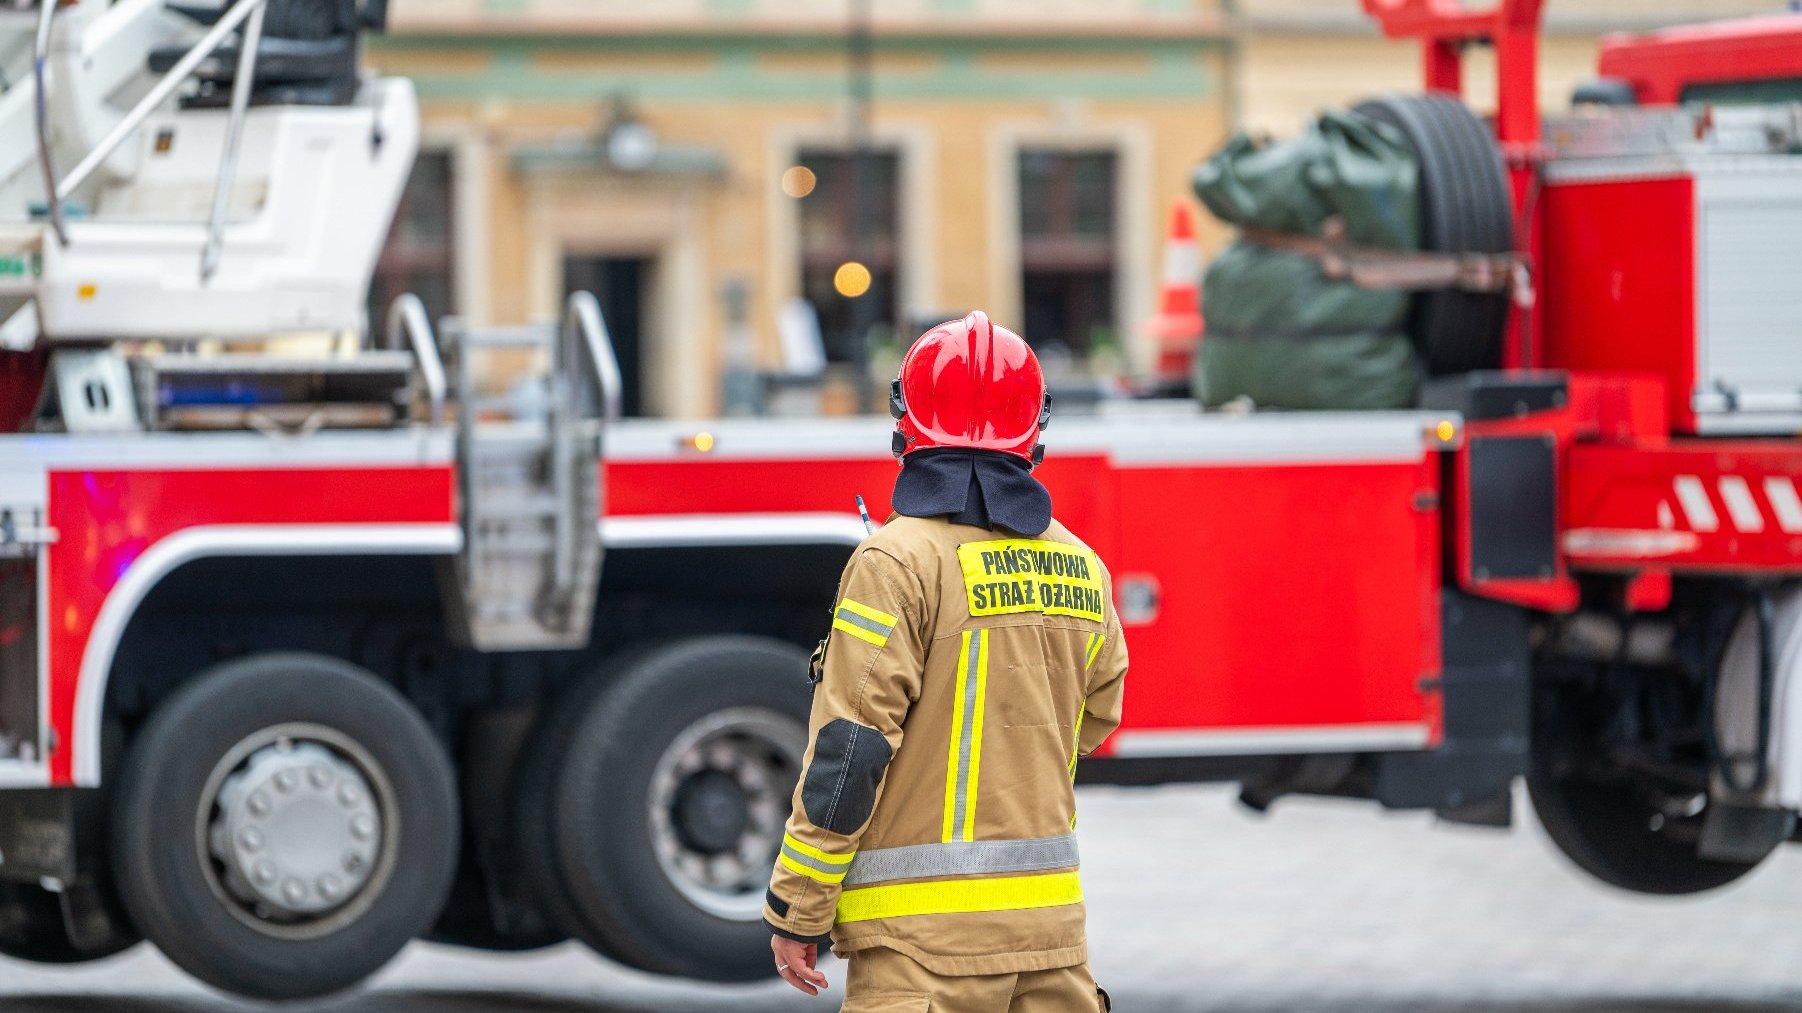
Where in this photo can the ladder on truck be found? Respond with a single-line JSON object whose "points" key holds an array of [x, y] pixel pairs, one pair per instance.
{"points": [[529, 484]]}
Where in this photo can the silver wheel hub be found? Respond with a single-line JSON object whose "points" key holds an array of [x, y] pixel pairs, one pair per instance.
{"points": [[296, 830], [719, 797]]}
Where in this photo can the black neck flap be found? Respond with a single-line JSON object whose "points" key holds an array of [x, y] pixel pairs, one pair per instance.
{"points": [[980, 488]]}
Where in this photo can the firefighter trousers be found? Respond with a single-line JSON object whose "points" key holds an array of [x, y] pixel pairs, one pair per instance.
{"points": [[881, 980]]}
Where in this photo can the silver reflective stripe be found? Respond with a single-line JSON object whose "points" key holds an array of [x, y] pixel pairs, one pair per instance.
{"points": [[966, 737], [811, 862], [864, 622], [962, 858]]}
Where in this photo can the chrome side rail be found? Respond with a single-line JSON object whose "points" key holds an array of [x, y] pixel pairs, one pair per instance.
{"points": [[40, 52], [583, 322], [215, 36], [407, 318], [234, 137]]}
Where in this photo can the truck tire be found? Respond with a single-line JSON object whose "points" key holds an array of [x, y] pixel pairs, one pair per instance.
{"points": [[667, 808], [1606, 830], [215, 787], [1465, 208], [1603, 818], [534, 785]]}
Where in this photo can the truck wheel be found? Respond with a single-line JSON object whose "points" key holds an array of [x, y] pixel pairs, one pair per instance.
{"points": [[1615, 823], [667, 810], [284, 824], [1611, 832], [1465, 207]]}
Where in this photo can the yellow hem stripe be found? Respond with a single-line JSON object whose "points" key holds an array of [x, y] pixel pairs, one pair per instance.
{"points": [[860, 633], [960, 896], [1095, 640], [812, 852], [826, 878], [874, 614]]}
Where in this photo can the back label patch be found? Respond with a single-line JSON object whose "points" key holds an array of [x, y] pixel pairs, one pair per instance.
{"points": [[1031, 575]]}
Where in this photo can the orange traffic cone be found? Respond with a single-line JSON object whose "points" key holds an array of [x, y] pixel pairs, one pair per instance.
{"points": [[1177, 328]]}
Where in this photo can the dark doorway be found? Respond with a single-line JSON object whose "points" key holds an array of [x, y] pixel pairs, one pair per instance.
{"points": [[619, 283]]}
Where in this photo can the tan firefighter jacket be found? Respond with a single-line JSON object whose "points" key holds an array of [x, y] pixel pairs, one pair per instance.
{"points": [[964, 674]]}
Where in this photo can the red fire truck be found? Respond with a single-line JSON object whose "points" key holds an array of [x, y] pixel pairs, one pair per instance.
{"points": [[304, 654]]}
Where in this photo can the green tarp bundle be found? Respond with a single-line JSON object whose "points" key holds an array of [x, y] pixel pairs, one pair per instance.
{"points": [[1278, 331]]}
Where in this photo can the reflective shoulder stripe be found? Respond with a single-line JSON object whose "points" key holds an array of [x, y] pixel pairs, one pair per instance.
{"points": [[804, 859], [960, 896], [963, 858], [801, 867], [792, 843], [863, 622], [1095, 641]]}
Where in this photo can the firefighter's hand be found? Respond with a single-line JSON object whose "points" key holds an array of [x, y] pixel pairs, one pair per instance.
{"points": [[794, 961]]}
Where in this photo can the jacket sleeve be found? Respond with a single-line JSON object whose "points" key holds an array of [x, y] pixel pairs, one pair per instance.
{"points": [[1107, 689], [871, 673]]}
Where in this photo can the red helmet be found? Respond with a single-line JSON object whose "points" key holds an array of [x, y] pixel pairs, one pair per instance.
{"points": [[967, 383]]}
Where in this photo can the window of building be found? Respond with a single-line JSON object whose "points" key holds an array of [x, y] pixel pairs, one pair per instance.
{"points": [[844, 220], [418, 256], [1067, 248]]}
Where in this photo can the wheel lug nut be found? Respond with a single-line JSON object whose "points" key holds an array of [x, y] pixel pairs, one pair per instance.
{"points": [[264, 873], [352, 861], [294, 891], [319, 776], [250, 839], [348, 795], [286, 780], [258, 804], [362, 826], [328, 887]]}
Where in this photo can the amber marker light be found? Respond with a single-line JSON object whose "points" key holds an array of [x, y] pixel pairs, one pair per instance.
{"points": [[701, 442], [798, 181], [851, 279], [1445, 431]]}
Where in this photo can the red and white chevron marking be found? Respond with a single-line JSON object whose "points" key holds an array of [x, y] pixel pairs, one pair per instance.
{"points": [[1748, 505]]}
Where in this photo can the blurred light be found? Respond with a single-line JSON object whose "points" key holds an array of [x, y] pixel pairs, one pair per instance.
{"points": [[1445, 431], [702, 441], [851, 279], [798, 181]]}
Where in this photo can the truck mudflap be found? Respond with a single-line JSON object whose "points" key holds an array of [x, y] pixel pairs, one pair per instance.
{"points": [[1486, 693]]}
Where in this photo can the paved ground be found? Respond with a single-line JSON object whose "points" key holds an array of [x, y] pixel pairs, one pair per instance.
{"points": [[1195, 905]]}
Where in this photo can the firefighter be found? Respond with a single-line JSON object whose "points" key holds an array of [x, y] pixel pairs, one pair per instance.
{"points": [[974, 655]]}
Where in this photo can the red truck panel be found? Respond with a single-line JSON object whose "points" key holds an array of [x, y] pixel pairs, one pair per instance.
{"points": [[1299, 597], [1619, 282]]}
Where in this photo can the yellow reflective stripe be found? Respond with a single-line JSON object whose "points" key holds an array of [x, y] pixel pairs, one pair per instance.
{"points": [[1082, 710], [982, 695], [1095, 640], [828, 878], [859, 632], [1076, 740], [960, 896], [812, 852], [957, 724], [874, 614], [963, 766]]}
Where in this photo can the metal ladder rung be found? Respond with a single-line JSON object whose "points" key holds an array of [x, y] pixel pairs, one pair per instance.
{"points": [[530, 506]]}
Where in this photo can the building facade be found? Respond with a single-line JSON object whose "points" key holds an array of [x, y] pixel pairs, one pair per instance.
{"points": [[691, 162]]}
